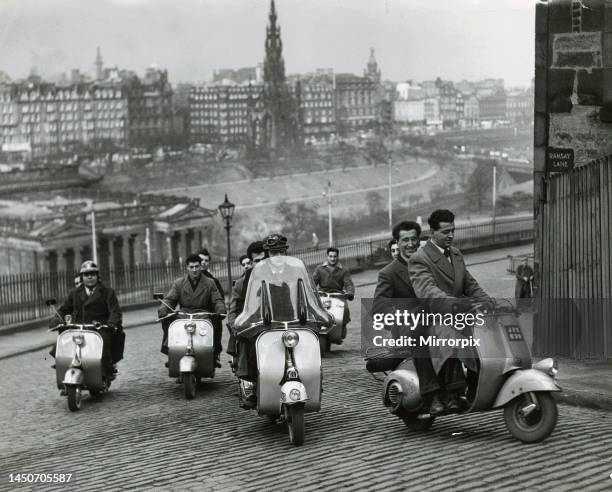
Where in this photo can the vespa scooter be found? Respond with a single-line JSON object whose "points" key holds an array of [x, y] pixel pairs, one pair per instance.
{"points": [[334, 303], [289, 377], [78, 360], [507, 379], [190, 347]]}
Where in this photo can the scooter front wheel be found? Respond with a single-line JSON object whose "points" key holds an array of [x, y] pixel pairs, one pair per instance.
{"points": [[294, 415], [74, 397], [531, 417], [190, 383]]}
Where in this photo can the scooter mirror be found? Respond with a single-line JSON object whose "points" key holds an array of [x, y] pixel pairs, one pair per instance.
{"points": [[51, 302], [158, 296]]}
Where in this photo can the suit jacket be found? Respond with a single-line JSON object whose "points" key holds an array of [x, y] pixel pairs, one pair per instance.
{"points": [[437, 283], [394, 293], [205, 297], [236, 301], [216, 281], [101, 306]]}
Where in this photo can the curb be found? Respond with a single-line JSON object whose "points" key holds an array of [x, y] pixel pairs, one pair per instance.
{"points": [[580, 398]]}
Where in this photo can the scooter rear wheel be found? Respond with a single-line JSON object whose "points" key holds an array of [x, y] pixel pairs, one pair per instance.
{"points": [[538, 424], [190, 383], [74, 397]]}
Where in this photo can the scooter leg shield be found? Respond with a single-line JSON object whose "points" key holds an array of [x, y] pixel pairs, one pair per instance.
{"points": [[293, 392], [187, 364], [524, 381], [74, 376]]}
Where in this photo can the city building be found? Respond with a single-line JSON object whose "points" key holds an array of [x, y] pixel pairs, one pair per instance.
{"points": [[408, 90], [317, 106], [492, 105], [519, 106], [219, 114], [56, 235], [409, 111], [471, 111], [448, 103], [356, 104]]}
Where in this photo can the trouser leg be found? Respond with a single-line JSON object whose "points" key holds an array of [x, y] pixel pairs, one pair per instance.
{"points": [[217, 335], [452, 376], [165, 324], [107, 353]]}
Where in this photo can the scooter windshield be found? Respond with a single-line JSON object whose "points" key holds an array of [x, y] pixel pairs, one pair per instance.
{"points": [[280, 276]]}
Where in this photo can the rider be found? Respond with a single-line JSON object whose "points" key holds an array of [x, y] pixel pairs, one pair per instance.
{"points": [[331, 276], [93, 302], [255, 253], [194, 292]]}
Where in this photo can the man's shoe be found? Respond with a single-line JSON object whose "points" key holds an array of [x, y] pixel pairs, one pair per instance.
{"points": [[53, 366], [436, 407], [453, 405], [166, 364]]}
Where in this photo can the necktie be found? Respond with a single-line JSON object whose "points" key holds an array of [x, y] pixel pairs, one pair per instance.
{"points": [[447, 253]]}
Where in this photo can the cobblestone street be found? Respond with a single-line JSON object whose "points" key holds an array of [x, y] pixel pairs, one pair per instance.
{"points": [[144, 434]]}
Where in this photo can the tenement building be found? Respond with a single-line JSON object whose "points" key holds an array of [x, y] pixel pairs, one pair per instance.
{"points": [[43, 118]]}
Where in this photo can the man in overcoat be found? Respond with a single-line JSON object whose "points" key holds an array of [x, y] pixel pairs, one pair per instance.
{"points": [[193, 292], [443, 284], [94, 302]]}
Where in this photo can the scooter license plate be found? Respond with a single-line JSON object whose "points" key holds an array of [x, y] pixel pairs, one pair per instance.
{"points": [[514, 333]]}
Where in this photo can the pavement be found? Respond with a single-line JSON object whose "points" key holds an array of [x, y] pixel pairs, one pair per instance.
{"points": [[584, 383]]}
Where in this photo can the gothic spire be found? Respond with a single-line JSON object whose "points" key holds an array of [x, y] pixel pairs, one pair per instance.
{"points": [[274, 65]]}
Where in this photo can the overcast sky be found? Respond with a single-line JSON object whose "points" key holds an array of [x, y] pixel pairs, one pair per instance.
{"points": [[413, 39]]}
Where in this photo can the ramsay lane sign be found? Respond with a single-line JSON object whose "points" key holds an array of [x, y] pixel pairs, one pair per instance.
{"points": [[559, 160]]}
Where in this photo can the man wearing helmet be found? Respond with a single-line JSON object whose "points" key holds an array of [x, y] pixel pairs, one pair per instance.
{"points": [[93, 302]]}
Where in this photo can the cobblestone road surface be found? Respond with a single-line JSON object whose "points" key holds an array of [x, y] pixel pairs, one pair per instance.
{"points": [[145, 435]]}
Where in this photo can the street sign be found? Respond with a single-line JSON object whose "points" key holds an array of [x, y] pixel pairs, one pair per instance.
{"points": [[559, 160]]}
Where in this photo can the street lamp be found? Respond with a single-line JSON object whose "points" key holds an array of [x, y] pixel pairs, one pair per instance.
{"points": [[226, 209]]}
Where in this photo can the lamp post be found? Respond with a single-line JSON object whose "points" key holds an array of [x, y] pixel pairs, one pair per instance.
{"points": [[226, 209]]}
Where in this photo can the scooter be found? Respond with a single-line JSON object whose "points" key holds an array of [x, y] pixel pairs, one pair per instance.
{"points": [[507, 379], [191, 354], [289, 377], [78, 360], [334, 303]]}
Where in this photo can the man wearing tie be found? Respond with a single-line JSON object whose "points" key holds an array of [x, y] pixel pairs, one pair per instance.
{"points": [[443, 285]]}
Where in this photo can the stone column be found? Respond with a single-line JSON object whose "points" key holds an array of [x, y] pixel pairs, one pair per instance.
{"points": [[69, 256], [51, 262], [175, 242]]}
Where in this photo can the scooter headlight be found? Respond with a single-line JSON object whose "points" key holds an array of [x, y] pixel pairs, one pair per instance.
{"points": [[78, 339], [295, 394], [290, 339], [190, 327]]}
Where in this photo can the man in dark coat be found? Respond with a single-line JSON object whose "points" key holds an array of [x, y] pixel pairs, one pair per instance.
{"points": [[92, 302], [255, 253], [216, 320], [524, 277], [193, 292], [443, 285], [394, 292]]}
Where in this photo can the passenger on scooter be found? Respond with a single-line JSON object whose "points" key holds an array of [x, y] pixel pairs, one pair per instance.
{"points": [[443, 284], [255, 253], [193, 292], [93, 302], [331, 276], [216, 321]]}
